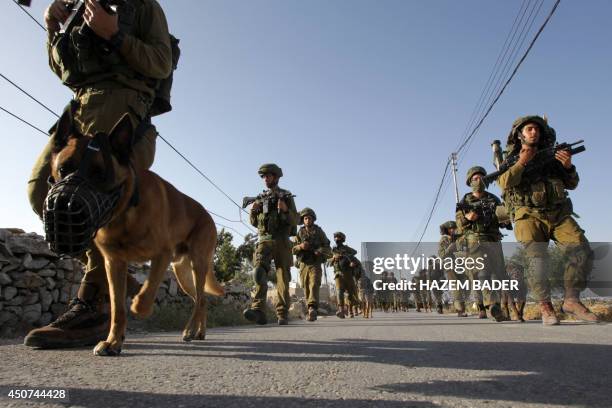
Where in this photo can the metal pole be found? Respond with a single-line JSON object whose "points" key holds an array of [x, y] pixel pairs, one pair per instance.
{"points": [[454, 169]]}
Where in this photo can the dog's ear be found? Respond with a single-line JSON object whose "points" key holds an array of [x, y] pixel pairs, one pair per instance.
{"points": [[121, 139], [62, 130]]}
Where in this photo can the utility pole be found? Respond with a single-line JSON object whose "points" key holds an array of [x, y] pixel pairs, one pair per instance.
{"points": [[454, 170]]}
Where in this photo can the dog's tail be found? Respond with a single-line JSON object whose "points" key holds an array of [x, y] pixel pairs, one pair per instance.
{"points": [[212, 286]]}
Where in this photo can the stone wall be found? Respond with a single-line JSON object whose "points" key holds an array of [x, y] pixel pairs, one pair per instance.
{"points": [[35, 285]]}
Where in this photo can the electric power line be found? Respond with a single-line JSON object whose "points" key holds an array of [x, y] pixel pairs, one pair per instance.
{"points": [[24, 121], [29, 15]]}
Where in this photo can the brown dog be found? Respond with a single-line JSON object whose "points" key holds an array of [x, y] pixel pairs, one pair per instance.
{"points": [[165, 227]]}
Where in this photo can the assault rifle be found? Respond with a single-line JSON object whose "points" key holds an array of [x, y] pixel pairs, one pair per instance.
{"points": [[269, 199], [541, 159], [485, 209]]}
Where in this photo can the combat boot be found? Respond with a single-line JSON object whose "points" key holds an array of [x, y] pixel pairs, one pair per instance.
{"points": [[440, 309], [83, 324], [255, 315], [549, 318], [482, 311], [574, 307], [340, 313], [496, 312], [312, 314], [418, 307], [283, 321]]}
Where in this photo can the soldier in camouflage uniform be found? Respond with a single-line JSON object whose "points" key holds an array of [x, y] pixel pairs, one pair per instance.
{"points": [[108, 82], [483, 239], [446, 249], [311, 250], [542, 211], [393, 294], [422, 296], [276, 218], [436, 274], [345, 263]]}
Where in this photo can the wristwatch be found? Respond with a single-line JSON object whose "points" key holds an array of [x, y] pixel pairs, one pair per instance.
{"points": [[117, 39]]}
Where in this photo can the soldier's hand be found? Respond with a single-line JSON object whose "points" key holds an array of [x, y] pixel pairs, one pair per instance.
{"points": [[526, 154], [282, 206], [565, 158], [337, 257], [472, 216], [103, 24], [305, 245], [56, 14], [352, 264]]}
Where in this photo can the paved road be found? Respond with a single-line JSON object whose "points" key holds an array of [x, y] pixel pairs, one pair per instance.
{"points": [[394, 360]]}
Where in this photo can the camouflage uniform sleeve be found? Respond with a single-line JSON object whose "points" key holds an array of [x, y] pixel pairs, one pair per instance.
{"points": [[444, 247], [253, 217], [512, 177], [462, 222], [291, 217], [150, 56], [52, 41], [325, 248], [295, 249], [571, 178]]}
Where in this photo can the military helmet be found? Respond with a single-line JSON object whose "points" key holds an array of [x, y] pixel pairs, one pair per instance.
{"points": [[270, 168], [340, 235], [547, 134], [446, 226], [307, 211], [474, 170]]}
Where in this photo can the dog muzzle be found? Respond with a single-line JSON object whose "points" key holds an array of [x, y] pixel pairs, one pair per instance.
{"points": [[74, 210]]}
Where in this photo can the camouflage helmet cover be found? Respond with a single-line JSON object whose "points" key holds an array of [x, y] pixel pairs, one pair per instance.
{"points": [[340, 235], [446, 226], [307, 211], [270, 168], [474, 170]]}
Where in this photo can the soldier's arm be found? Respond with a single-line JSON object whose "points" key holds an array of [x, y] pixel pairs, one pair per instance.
{"points": [[253, 217], [462, 222], [444, 247], [295, 249], [291, 217], [150, 55], [54, 53], [571, 178], [325, 248], [512, 177]]}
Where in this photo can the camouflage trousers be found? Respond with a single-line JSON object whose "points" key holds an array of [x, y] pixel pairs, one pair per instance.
{"points": [[345, 285], [98, 111], [279, 251], [494, 268], [459, 295], [535, 231], [310, 278]]}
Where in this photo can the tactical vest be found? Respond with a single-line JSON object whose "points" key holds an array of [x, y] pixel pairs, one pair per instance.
{"points": [[314, 241], [478, 227], [87, 60], [540, 190]]}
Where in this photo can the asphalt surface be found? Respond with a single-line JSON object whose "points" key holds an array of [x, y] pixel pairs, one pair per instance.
{"points": [[395, 360]]}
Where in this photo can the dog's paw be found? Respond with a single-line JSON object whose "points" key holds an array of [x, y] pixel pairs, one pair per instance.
{"points": [[200, 335], [141, 308], [106, 349], [188, 335]]}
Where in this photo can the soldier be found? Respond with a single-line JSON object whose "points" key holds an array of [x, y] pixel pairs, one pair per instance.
{"points": [[311, 249], [276, 218], [393, 294], [114, 65], [483, 238], [422, 296], [344, 262], [435, 275], [539, 203], [446, 249], [366, 295]]}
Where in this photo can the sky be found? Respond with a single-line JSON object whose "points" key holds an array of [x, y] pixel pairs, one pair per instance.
{"points": [[360, 102]]}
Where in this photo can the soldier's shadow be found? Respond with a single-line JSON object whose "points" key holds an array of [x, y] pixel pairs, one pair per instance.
{"points": [[531, 372]]}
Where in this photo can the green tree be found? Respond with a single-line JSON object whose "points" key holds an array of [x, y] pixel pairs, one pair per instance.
{"points": [[231, 262]]}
